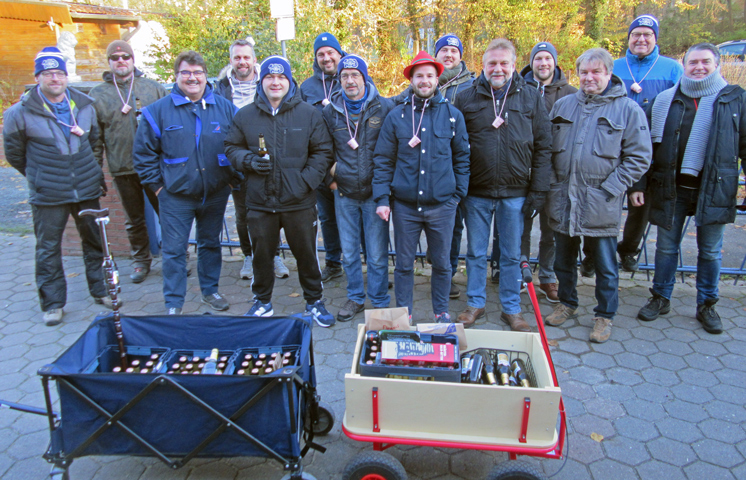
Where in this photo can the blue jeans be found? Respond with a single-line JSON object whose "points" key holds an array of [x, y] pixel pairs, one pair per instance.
{"points": [[509, 219], [546, 247], [709, 246], [177, 212], [329, 230], [351, 214], [438, 225], [603, 250]]}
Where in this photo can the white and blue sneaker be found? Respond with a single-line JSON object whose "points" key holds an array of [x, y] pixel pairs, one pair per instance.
{"points": [[319, 313], [260, 309]]}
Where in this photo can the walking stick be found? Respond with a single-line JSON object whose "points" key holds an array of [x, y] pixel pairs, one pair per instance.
{"points": [[112, 276]]}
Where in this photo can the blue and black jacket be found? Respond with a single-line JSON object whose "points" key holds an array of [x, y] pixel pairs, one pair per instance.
{"points": [[660, 73]]}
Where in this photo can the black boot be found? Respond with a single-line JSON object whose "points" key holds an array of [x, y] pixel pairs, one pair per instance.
{"points": [[657, 305], [709, 318]]}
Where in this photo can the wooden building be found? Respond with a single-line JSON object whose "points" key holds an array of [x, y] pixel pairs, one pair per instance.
{"points": [[27, 26]]}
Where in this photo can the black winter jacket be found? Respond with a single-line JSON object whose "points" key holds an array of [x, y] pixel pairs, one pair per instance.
{"points": [[515, 158], [354, 168], [317, 85], [300, 150], [554, 91], [57, 170], [716, 203], [433, 172]]}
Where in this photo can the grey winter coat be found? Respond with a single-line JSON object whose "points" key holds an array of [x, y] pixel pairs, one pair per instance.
{"points": [[58, 170], [600, 147]]}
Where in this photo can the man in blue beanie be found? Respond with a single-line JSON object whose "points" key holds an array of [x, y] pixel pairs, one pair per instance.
{"points": [[318, 90], [50, 137], [354, 118], [280, 185], [645, 73]]}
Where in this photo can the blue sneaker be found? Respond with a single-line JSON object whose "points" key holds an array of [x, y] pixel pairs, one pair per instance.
{"points": [[319, 313], [260, 309], [443, 318]]}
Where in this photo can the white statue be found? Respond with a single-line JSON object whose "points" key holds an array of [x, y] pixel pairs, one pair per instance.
{"points": [[66, 43]]}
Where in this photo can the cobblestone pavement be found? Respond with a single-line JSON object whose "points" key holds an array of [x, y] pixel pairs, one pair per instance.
{"points": [[660, 400]]}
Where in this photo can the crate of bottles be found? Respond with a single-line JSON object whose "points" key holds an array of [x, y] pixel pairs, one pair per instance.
{"points": [[139, 360], [475, 413], [413, 355], [263, 360], [192, 362]]}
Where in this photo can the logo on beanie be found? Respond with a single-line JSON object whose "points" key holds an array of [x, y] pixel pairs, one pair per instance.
{"points": [[453, 41], [49, 63], [543, 45], [275, 68], [323, 38], [645, 22], [349, 63]]}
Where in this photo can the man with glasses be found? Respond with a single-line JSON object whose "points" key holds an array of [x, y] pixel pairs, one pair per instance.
{"points": [[119, 103], [645, 73], [50, 136], [179, 155]]}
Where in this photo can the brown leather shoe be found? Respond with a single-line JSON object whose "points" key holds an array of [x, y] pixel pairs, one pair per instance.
{"points": [[550, 291], [516, 322], [601, 330], [470, 315]]}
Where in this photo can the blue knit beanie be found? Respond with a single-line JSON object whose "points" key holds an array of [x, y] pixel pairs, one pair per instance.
{"points": [[353, 61], [450, 40], [543, 47], [275, 64], [50, 58], [326, 40], [644, 21]]}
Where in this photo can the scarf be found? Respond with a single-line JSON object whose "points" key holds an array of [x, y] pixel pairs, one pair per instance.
{"points": [[243, 92], [355, 106], [707, 90]]}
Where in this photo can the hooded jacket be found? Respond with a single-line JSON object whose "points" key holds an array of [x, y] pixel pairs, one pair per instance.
{"points": [[354, 168], [58, 170], [179, 145], [457, 84], [514, 159], [600, 147], [223, 85], [716, 202], [554, 91], [433, 172], [117, 129], [313, 87], [659, 73], [300, 150]]}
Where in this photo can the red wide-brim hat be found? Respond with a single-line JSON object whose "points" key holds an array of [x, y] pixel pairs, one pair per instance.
{"points": [[423, 58]]}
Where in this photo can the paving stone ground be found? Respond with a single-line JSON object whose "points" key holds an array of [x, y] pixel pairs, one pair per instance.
{"points": [[665, 399]]}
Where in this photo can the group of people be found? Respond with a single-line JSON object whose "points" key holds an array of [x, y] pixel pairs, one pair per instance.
{"points": [[486, 150]]}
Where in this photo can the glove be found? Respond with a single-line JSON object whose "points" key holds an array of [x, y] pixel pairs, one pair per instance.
{"points": [[533, 204], [261, 165]]}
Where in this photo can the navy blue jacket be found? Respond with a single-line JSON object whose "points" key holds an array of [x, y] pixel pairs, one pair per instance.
{"points": [[312, 88], [354, 168], [434, 171], [659, 75], [180, 147]]}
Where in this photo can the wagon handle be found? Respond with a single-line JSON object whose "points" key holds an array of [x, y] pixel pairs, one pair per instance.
{"points": [[528, 280]]}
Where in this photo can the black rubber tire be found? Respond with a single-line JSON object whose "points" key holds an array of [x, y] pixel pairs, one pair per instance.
{"points": [[515, 470], [325, 422], [376, 463]]}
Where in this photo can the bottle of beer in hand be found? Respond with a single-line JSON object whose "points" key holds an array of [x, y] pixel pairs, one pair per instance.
{"points": [[262, 146]]}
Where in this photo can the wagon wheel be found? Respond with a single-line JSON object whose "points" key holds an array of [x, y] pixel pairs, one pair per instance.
{"points": [[59, 473], [374, 466], [515, 470], [325, 422], [303, 476]]}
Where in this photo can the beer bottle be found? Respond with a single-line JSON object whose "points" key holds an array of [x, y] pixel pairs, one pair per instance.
{"points": [[503, 367], [212, 363], [116, 369], [477, 365], [519, 372], [262, 146], [488, 371]]}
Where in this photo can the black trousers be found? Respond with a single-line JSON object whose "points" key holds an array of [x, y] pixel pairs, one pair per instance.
{"points": [[49, 225], [634, 229], [239, 202], [131, 194], [301, 231]]}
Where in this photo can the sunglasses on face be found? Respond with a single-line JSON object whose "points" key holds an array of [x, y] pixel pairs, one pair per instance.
{"points": [[116, 58]]}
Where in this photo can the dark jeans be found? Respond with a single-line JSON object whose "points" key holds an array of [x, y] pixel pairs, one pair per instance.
{"points": [[438, 226], [131, 195], [603, 250], [49, 225], [458, 232], [329, 231], [546, 247], [177, 213], [242, 228], [634, 229], [301, 232]]}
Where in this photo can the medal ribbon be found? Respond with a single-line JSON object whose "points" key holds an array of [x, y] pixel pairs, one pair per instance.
{"points": [[415, 130], [347, 120], [646, 75], [494, 102], [72, 114], [129, 95]]}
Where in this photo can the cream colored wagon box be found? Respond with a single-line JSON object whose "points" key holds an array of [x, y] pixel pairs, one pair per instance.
{"points": [[457, 412]]}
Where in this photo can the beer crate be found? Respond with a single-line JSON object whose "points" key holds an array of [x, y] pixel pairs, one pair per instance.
{"points": [[176, 354], [109, 357], [413, 411]]}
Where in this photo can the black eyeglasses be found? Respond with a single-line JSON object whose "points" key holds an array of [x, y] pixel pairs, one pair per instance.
{"points": [[116, 58], [187, 73]]}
